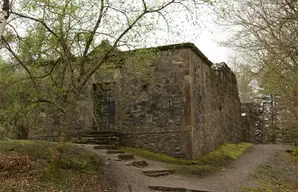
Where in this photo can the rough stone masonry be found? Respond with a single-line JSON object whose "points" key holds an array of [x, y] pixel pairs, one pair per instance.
{"points": [[178, 102]]}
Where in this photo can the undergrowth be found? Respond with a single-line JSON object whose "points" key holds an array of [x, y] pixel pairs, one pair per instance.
{"points": [[280, 174], [72, 158], [25, 166]]}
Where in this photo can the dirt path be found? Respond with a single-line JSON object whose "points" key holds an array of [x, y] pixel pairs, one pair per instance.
{"points": [[232, 179]]}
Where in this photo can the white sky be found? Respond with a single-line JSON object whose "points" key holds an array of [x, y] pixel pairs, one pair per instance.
{"points": [[209, 37], [209, 41], [212, 49], [201, 31]]}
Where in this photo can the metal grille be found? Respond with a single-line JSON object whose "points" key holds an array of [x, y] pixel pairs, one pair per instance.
{"points": [[104, 106]]}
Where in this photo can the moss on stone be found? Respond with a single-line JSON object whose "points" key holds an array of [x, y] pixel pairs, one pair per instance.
{"points": [[73, 158], [157, 156], [220, 156], [73, 174], [205, 165], [224, 154]]}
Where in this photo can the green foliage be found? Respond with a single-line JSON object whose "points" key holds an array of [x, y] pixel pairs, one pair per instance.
{"points": [[73, 158], [57, 47], [36, 150], [265, 46], [80, 160], [17, 92]]}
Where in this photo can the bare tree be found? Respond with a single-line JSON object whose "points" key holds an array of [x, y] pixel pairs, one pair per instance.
{"points": [[51, 42], [265, 32]]}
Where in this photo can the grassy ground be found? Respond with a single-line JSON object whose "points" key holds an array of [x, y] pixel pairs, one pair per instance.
{"points": [[278, 175], [24, 166], [207, 164]]}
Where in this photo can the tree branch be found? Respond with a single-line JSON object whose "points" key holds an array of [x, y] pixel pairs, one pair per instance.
{"points": [[88, 75], [144, 5], [22, 64], [107, 53], [42, 100], [39, 21], [90, 39]]}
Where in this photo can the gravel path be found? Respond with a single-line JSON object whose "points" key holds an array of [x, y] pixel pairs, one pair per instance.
{"points": [[235, 176]]}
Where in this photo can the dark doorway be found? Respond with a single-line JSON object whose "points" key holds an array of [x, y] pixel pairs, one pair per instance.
{"points": [[104, 106]]}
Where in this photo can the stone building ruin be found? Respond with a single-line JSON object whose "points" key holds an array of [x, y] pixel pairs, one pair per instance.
{"points": [[264, 120], [186, 107]]}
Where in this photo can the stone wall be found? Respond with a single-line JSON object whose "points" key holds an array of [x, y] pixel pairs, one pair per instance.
{"points": [[173, 143], [153, 111], [217, 106], [175, 101], [252, 122]]}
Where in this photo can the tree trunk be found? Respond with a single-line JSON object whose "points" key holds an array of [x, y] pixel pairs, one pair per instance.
{"points": [[57, 152], [4, 16], [273, 120], [65, 125]]}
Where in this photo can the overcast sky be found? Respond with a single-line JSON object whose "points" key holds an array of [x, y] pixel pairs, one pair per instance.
{"points": [[208, 45], [185, 27], [202, 31]]}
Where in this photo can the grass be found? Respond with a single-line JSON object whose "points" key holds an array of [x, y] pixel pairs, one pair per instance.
{"points": [[294, 155], [72, 158], [79, 169], [223, 155], [282, 186], [157, 156], [35, 149], [206, 164], [80, 160], [278, 175]]}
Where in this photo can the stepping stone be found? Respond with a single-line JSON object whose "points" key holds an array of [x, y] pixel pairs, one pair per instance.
{"points": [[126, 156], [115, 151], [157, 173], [105, 147], [172, 189], [140, 164]]}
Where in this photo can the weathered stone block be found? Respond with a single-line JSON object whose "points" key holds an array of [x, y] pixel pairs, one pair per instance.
{"points": [[115, 151], [126, 156], [140, 164]]}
